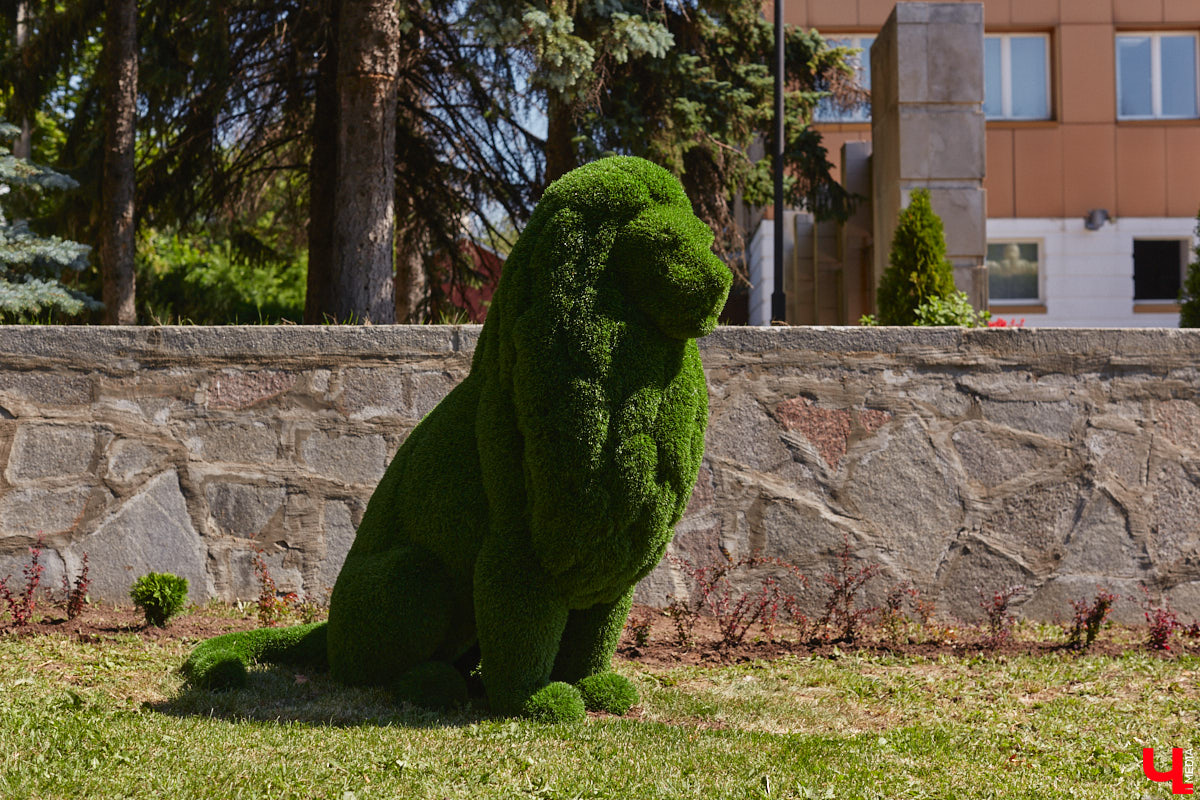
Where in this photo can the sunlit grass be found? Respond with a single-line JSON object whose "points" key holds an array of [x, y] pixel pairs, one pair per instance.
{"points": [[114, 719]]}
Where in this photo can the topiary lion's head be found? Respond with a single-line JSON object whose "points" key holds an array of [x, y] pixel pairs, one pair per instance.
{"points": [[618, 237]]}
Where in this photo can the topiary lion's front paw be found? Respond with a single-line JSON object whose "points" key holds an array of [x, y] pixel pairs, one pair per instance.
{"points": [[608, 691], [555, 702]]}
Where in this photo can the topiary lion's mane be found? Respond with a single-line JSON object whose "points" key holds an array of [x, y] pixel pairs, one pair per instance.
{"points": [[515, 520]]}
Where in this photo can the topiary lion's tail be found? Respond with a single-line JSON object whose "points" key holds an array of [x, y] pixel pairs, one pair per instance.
{"points": [[221, 662]]}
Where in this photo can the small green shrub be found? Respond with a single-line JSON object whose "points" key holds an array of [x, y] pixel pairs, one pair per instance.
{"points": [[1189, 298], [917, 267], [953, 310], [160, 596]]}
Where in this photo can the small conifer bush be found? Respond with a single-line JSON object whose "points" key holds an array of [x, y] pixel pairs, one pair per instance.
{"points": [[918, 270], [160, 596]]}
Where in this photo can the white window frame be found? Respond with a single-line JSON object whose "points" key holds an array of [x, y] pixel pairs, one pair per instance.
{"points": [[1006, 88], [1041, 271], [1156, 71], [853, 40]]}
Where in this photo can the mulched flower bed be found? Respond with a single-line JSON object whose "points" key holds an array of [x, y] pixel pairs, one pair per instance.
{"points": [[99, 622]]}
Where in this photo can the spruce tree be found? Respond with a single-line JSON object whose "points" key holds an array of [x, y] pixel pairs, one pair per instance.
{"points": [[1189, 298], [31, 266], [918, 270]]}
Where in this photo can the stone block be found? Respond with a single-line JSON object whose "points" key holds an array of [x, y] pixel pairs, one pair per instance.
{"points": [[1179, 422], [1032, 524], [1102, 545], [348, 458], [1051, 601], [51, 451], [149, 532], [973, 567], [742, 431], [283, 568], [339, 524], [242, 509], [914, 515], [35, 511], [1172, 512], [1052, 419], [129, 459], [251, 441], [36, 388], [12, 571], [940, 62], [393, 391], [236, 389], [991, 455], [1124, 456]]}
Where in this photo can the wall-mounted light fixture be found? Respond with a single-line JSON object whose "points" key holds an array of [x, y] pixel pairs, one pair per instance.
{"points": [[1095, 219]]}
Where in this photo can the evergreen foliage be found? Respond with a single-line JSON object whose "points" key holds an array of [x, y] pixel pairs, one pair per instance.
{"points": [[687, 86], [1189, 297], [586, 381], [918, 270], [160, 596], [207, 281], [32, 266]]}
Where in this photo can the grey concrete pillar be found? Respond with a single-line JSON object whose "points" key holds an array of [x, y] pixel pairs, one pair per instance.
{"points": [[927, 130]]}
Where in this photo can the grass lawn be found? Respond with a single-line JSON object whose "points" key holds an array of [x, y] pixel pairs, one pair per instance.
{"points": [[114, 719]]}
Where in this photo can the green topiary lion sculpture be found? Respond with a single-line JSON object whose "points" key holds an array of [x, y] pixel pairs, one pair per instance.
{"points": [[520, 513]]}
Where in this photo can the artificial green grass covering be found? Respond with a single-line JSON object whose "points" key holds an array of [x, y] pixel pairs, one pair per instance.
{"points": [[524, 508], [221, 661]]}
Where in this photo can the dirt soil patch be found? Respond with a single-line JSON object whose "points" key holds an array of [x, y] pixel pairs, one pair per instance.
{"points": [[99, 622]]}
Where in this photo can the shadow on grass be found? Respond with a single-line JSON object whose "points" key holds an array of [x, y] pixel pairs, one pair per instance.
{"points": [[291, 695]]}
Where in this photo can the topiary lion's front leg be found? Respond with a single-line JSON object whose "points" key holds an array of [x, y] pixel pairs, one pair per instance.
{"points": [[520, 625], [585, 656]]}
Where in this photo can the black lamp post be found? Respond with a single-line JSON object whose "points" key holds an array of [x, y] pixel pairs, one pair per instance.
{"points": [[778, 304]]}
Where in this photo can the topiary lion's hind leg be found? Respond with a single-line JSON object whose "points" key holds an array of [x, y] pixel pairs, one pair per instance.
{"points": [[434, 684], [390, 612]]}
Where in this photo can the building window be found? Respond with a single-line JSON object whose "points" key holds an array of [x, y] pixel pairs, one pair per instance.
{"points": [[1156, 76], [1158, 266], [1013, 269], [1016, 76], [827, 110]]}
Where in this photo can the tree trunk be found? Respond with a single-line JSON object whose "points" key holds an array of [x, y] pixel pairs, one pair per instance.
{"points": [[23, 146], [117, 182], [364, 220], [560, 129], [410, 273], [322, 173]]}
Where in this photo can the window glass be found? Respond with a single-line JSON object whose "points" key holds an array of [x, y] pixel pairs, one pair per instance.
{"points": [[1178, 76], [1029, 93], [1157, 268], [1134, 76], [1016, 76], [826, 111], [1012, 271], [993, 91]]}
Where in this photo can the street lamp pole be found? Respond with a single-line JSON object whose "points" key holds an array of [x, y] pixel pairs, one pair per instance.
{"points": [[778, 304]]}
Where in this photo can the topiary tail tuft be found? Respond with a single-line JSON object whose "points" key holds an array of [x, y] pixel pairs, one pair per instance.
{"points": [[221, 662]]}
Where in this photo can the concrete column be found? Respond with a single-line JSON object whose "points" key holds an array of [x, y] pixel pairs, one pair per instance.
{"points": [[927, 130]]}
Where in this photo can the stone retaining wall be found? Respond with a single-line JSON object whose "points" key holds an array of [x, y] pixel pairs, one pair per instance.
{"points": [[959, 460]]}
